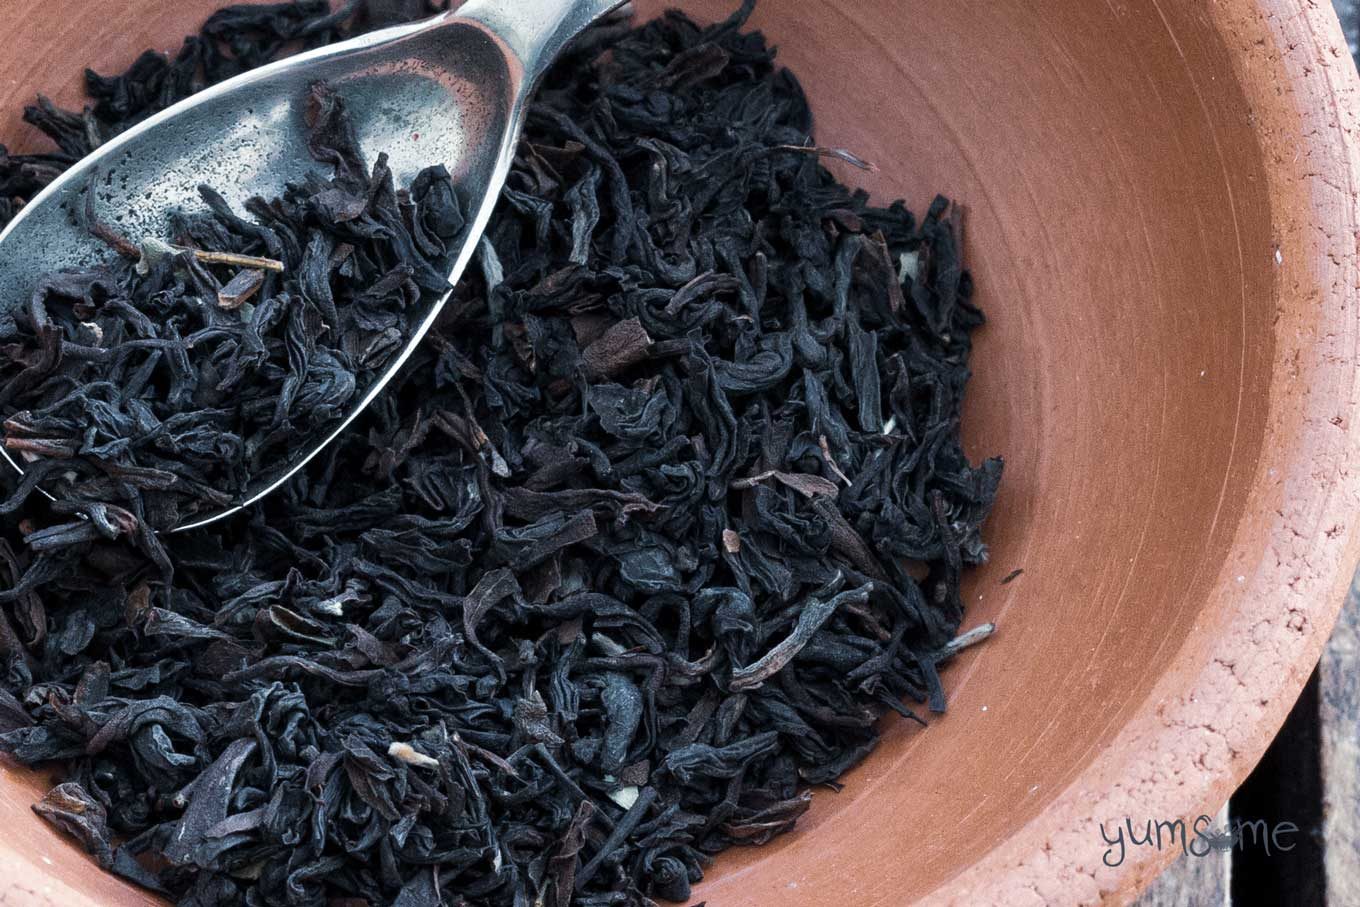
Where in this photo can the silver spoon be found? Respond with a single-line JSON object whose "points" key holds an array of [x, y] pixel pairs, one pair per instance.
{"points": [[451, 90]]}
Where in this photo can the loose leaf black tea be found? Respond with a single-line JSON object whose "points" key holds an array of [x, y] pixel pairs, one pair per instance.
{"points": [[190, 372], [666, 514]]}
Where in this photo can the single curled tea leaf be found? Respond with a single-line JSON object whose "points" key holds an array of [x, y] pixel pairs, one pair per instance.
{"points": [[813, 615], [209, 802], [807, 486], [69, 808]]}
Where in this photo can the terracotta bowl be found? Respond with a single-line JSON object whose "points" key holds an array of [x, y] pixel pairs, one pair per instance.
{"points": [[1162, 221]]}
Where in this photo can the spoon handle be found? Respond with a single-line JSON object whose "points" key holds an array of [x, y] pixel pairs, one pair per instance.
{"points": [[537, 31]]}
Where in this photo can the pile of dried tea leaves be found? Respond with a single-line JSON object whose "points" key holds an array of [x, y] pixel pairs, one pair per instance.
{"points": [[668, 511], [182, 375]]}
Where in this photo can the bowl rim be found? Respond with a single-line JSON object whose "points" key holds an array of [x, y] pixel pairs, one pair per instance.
{"points": [[1204, 724]]}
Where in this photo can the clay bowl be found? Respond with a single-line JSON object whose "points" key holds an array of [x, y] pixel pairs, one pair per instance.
{"points": [[1161, 220]]}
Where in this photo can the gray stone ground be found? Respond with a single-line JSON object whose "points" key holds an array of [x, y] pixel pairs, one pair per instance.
{"points": [[1349, 11]]}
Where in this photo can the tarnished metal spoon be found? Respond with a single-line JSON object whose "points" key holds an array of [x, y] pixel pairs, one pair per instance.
{"points": [[451, 90]]}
